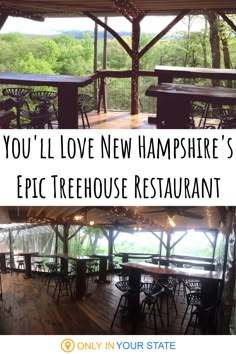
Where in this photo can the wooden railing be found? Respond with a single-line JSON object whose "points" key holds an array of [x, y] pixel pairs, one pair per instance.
{"points": [[163, 74]]}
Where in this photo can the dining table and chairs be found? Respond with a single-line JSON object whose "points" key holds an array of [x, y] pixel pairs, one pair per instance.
{"points": [[66, 93], [180, 262], [206, 295]]}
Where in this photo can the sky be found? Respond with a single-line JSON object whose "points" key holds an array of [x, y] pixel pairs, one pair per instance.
{"points": [[150, 24]]}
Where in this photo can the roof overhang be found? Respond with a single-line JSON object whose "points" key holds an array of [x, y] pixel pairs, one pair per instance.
{"points": [[76, 8]]}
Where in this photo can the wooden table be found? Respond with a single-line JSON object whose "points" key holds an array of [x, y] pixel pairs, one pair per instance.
{"points": [[67, 87], [80, 281], [3, 261], [181, 261], [168, 73], [174, 101], [211, 280], [27, 256], [102, 274]]}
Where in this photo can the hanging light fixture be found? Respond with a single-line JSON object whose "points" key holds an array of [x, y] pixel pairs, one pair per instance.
{"points": [[171, 221]]}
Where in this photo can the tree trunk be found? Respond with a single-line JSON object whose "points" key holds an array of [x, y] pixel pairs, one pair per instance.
{"points": [[215, 42], [225, 49], [203, 43], [186, 57]]}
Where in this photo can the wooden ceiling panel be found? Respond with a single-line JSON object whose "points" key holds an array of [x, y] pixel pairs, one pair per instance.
{"points": [[155, 218]]}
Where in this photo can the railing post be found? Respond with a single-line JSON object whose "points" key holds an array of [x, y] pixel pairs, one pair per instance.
{"points": [[102, 95]]}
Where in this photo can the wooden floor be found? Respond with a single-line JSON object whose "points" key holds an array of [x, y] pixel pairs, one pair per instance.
{"points": [[118, 120], [26, 308]]}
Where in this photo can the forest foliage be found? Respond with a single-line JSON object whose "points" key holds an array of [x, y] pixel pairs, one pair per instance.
{"points": [[66, 55]]}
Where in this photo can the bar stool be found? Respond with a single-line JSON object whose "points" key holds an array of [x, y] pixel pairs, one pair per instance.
{"points": [[193, 301], [82, 100], [124, 287], [21, 263], [169, 285], [205, 318], [18, 94], [45, 100], [53, 270], [63, 285], [39, 266], [152, 293]]}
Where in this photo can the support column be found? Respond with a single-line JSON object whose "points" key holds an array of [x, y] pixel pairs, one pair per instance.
{"points": [[110, 249], [95, 62], [135, 66]]}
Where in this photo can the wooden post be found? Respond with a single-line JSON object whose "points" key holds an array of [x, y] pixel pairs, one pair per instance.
{"points": [[95, 62], [11, 250], [110, 248], [135, 66], [168, 244], [105, 45], [3, 19]]}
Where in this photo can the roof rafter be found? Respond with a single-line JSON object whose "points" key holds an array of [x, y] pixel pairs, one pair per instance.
{"points": [[110, 30], [163, 32]]}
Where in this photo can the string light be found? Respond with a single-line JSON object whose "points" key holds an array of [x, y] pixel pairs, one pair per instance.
{"points": [[78, 217], [135, 216], [128, 9]]}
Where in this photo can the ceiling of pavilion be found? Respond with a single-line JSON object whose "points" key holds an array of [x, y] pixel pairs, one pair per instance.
{"points": [[62, 8], [119, 218]]}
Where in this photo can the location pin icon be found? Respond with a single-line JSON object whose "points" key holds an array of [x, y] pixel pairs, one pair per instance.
{"points": [[67, 345]]}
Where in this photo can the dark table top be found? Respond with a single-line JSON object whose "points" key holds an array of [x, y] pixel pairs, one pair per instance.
{"points": [[182, 260], [192, 92], [26, 254], [180, 272], [220, 74], [50, 80]]}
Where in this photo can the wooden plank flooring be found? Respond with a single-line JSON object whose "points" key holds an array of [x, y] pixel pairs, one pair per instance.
{"points": [[119, 120], [26, 308]]}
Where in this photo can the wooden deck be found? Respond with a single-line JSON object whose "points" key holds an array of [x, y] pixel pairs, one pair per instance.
{"points": [[118, 120], [26, 308]]}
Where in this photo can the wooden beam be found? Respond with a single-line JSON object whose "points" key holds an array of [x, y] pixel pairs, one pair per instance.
{"points": [[75, 232], [179, 239], [4, 10], [163, 32], [159, 238], [111, 31], [227, 20], [57, 232], [3, 18]]}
